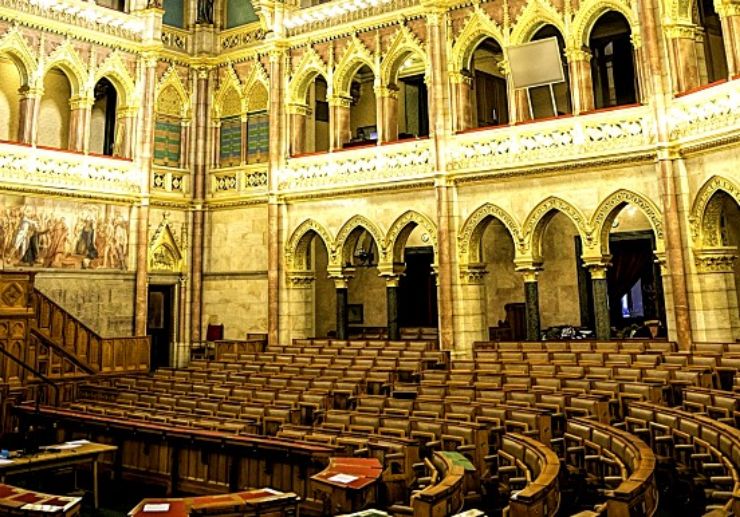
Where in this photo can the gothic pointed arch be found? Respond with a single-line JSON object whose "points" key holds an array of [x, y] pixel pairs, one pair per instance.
{"points": [[164, 254], [591, 10], [15, 46], [404, 44], [604, 216], [349, 233], [228, 99], [171, 83], [469, 238], [535, 15], [66, 58], [540, 216], [305, 72], [115, 71], [401, 229], [479, 26], [256, 87], [706, 210], [355, 56], [297, 247]]}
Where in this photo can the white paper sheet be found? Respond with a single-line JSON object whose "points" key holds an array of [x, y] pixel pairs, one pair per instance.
{"points": [[158, 507], [342, 478]]}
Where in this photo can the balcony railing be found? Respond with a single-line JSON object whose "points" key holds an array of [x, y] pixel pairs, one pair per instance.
{"points": [[240, 180], [175, 39], [707, 113], [338, 12], [396, 162], [239, 37], [607, 133], [40, 167], [170, 180], [82, 14]]}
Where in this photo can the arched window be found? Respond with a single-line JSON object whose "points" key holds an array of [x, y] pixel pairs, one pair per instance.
{"points": [[320, 104], [103, 118], [258, 130], [491, 101], [612, 61], [413, 106], [540, 95], [10, 99], [362, 108], [54, 111], [230, 153], [715, 58], [168, 128]]}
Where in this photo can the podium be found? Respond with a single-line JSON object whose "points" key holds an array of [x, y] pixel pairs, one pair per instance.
{"points": [[347, 484]]}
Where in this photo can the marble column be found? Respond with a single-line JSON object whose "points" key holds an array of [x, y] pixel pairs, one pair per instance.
{"points": [[125, 137], [387, 122], [521, 106], [717, 317], [301, 306], [581, 82], [342, 292], [729, 13], [298, 114], [681, 41], [202, 80], [462, 86], [391, 293], [532, 305], [600, 291], [27, 123], [340, 131], [79, 123]]}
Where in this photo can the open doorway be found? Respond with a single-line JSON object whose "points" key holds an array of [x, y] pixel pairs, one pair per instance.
{"points": [[417, 290], [159, 326]]}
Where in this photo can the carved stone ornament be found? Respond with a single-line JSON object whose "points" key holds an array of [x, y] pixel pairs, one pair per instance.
{"points": [[716, 260], [164, 253]]}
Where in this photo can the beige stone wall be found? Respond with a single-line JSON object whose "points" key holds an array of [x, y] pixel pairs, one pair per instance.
{"points": [[324, 293], [502, 284], [235, 265], [362, 114], [9, 100], [97, 127], [102, 300], [53, 130], [558, 281]]}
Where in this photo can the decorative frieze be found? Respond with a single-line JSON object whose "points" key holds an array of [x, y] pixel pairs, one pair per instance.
{"points": [[707, 112], [247, 179]]}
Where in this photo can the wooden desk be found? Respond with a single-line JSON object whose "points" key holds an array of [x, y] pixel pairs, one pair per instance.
{"points": [[350, 496], [15, 500], [263, 502], [50, 459]]}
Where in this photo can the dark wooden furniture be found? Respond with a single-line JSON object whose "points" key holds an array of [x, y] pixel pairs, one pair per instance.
{"points": [[513, 328], [263, 502], [347, 484]]}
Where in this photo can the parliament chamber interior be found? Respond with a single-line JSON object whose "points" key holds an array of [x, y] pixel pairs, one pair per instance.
{"points": [[370, 258]]}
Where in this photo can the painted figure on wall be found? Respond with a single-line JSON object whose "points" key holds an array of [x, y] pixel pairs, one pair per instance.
{"points": [[60, 234]]}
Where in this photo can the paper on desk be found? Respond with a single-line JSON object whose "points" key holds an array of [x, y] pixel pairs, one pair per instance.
{"points": [[342, 478], [158, 507], [64, 446], [4, 461], [45, 508], [77, 442]]}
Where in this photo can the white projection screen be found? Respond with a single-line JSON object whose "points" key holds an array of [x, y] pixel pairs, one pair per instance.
{"points": [[536, 63]]}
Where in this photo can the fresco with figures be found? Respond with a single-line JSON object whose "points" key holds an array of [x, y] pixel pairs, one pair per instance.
{"points": [[55, 233]]}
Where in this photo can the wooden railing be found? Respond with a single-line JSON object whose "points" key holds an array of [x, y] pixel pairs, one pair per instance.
{"points": [[541, 495], [98, 354]]}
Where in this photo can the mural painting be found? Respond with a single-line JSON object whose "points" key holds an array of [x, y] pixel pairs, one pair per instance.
{"points": [[53, 233]]}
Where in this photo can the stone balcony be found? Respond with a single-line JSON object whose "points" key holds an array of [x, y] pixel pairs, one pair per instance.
{"points": [[239, 181], [28, 167]]}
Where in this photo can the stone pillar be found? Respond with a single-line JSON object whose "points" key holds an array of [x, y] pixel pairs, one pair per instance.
{"points": [[340, 131], [298, 115], [729, 13], [342, 290], [684, 63], [184, 144], [462, 86], [125, 138], [301, 304], [472, 308], [80, 109], [387, 99], [581, 82], [28, 122], [716, 317], [532, 302], [199, 182], [670, 177], [391, 293], [521, 106], [602, 321], [144, 155]]}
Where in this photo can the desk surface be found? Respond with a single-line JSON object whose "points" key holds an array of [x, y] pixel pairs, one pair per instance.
{"points": [[181, 507], [36, 502], [365, 471], [52, 457]]}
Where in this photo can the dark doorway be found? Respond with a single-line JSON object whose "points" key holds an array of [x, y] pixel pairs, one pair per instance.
{"points": [[417, 290], [612, 62], [160, 324], [416, 107]]}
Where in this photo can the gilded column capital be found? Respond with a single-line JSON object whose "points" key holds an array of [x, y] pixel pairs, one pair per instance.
{"points": [[31, 92], [597, 265], [460, 77], [297, 108], [391, 280], [473, 274], [340, 101], [716, 260], [680, 31], [577, 54], [81, 102], [300, 279], [386, 92], [727, 8]]}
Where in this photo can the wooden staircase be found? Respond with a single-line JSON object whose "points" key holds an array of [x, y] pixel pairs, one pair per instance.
{"points": [[44, 348]]}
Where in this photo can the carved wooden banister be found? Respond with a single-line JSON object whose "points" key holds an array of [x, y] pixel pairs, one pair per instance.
{"points": [[37, 374], [65, 354]]}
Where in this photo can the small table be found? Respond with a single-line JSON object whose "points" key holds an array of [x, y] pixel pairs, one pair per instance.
{"points": [[349, 483], [58, 456]]}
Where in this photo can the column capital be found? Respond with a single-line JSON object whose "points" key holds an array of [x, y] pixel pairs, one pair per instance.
{"points": [[716, 260], [31, 92], [296, 108], [597, 266], [81, 102], [727, 8], [473, 274], [340, 101], [680, 30], [391, 280], [300, 279], [460, 77], [386, 91], [577, 54]]}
